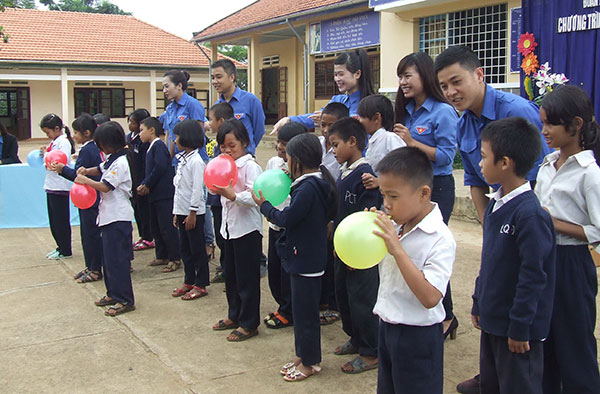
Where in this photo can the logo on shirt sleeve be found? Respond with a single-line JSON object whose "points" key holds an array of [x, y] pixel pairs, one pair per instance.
{"points": [[238, 116], [182, 118], [421, 129]]}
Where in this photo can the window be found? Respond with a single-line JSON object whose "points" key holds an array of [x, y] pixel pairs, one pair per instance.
{"points": [[325, 86], [8, 103], [198, 94], [110, 102], [484, 30]]}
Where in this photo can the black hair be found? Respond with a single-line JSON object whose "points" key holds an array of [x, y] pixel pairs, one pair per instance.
{"points": [[411, 164], [358, 60], [346, 128], [138, 115], [222, 110], [190, 132], [431, 86], [462, 55], [238, 129], [153, 122], [85, 122], [338, 110], [370, 106], [290, 130], [227, 65], [3, 131], [178, 77], [563, 105], [110, 135], [515, 138], [52, 121], [101, 118]]}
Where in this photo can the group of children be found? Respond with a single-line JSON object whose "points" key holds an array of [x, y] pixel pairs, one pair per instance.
{"points": [[534, 298]]}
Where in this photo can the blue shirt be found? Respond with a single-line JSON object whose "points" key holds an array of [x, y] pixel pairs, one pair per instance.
{"points": [[1, 143], [177, 111], [349, 100], [248, 109], [434, 124], [496, 105]]}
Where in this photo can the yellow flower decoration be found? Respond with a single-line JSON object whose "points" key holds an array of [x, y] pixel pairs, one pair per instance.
{"points": [[530, 64]]}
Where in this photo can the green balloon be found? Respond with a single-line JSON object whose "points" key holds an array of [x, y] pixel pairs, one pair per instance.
{"points": [[275, 186], [354, 241]]}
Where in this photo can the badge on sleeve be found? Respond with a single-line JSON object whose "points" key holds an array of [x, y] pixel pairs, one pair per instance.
{"points": [[239, 116], [421, 129]]}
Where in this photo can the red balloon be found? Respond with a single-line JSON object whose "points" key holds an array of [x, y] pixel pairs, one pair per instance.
{"points": [[83, 196], [55, 156], [220, 171]]}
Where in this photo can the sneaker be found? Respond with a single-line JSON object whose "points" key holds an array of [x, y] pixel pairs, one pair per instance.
{"points": [[52, 253], [59, 256]]}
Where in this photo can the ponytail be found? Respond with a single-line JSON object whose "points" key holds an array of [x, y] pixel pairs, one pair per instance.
{"points": [[358, 60], [68, 133], [590, 139], [52, 121]]}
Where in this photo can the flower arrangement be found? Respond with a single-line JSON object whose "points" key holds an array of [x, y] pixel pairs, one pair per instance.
{"points": [[210, 148]]}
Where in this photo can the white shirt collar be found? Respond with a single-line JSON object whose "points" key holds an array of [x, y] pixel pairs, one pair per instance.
{"points": [[346, 170], [430, 223], [182, 156], [240, 161], [303, 177], [378, 134], [501, 200], [152, 143], [584, 158]]}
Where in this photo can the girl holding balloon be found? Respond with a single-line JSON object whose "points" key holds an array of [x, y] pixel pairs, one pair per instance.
{"points": [[57, 187]]}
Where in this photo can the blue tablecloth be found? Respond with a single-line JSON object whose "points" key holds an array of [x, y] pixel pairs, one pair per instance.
{"points": [[23, 198]]}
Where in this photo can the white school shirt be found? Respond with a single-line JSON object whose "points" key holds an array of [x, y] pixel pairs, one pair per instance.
{"points": [[242, 216], [115, 205], [500, 200], [381, 143], [572, 194], [277, 163], [431, 247], [189, 184], [53, 181], [328, 159]]}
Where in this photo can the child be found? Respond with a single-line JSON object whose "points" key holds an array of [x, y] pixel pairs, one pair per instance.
{"points": [[242, 230], [356, 290], [331, 114], [512, 302], [413, 276], [279, 279], [568, 186], [376, 113], [88, 157], [141, 206], [158, 185], [188, 209], [312, 206], [115, 215], [57, 188]]}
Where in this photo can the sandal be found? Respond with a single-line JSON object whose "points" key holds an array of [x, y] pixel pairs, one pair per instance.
{"points": [[239, 336], [345, 349], [81, 273], [105, 301], [195, 293], [172, 266], [119, 309], [287, 367], [269, 317], [210, 251], [156, 262], [221, 326], [295, 375], [90, 276], [143, 245], [329, 317], [359, 365], [218, 278], [181, 290], [277, 321]]}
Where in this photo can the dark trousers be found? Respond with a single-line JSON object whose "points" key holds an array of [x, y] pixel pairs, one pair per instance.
{"points": [[328, 297], [141, 210], [217, 214], [411, 359], [59, 216], [306, 292], [193, 252], [503, 371], [443, 194], [570, 352], [166, 238], [279, 279], [91, 241], [242, 279], [118, 253], [356, 292]]}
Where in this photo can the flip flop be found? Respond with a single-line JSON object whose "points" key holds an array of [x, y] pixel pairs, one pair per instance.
{"points": [[295, 375], [172, 266], [119, 309], [345, 349], [104, 301], [222, 326], [156, 262], [359, 365], [81, 273], [240, 336]]}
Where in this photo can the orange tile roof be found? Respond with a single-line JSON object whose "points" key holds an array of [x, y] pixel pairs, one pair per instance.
{"points": [[262, 11], [79, 37]]}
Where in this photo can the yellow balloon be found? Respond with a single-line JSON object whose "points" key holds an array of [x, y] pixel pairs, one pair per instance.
{"points": [[354, 241]]}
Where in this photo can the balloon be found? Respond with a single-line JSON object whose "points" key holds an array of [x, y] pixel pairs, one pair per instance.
{"points": [[56, 156], [355, 243], [83, 196], [220, 171], [274, 184], [35, 158]]}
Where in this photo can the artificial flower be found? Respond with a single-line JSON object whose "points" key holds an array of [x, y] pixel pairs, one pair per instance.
{"points": [[526, 44], [530, 64]]}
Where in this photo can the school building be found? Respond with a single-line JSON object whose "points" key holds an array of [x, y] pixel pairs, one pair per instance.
{"points": [[72, 62], [292, 45]]}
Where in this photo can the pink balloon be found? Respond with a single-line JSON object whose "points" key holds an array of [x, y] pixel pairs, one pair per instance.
{"points": [[83, 196], [220, 171], [55, 156]]}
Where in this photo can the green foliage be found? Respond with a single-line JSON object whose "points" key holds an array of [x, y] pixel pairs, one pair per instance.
{"points": [[94, 6], [458, 164], [238, 52], [30, 4]]}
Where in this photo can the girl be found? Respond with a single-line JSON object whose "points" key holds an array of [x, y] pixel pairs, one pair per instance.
{"points": [[57, 188], [352, 75], [188, 210], [312, 206], [115, 215], [425, 120], [141, 206], [241, 228], [568, 186], [88, 157]]}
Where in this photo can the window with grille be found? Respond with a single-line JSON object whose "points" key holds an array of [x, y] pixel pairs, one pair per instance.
{"points": [[325, 86], [484, 30], [110, 102]]}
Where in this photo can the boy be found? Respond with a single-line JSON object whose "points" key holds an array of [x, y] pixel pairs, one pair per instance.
{"points": [[356, 290], [330, 114], [158, 185], [513, 298], [413, 276]]}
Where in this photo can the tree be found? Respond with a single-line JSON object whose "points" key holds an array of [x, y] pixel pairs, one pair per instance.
{"points": [[94, 6], [239, 53], [16, 4]]}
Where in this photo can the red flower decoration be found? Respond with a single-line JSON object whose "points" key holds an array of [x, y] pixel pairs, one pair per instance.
{"points": [[530, 64], [526, 44]]}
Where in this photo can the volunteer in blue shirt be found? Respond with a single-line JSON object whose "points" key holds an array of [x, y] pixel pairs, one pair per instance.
{"points": [[246, 107]]}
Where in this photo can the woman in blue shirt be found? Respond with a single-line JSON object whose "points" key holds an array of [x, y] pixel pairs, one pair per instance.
{"points": [[425, 120], [8, 147]]}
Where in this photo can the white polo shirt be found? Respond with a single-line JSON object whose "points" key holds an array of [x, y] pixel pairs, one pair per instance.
{"points": [[381, 143], [53, 181], [189, 184], [431, 247], [277, 163], [329, 160], [115, 205]]}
